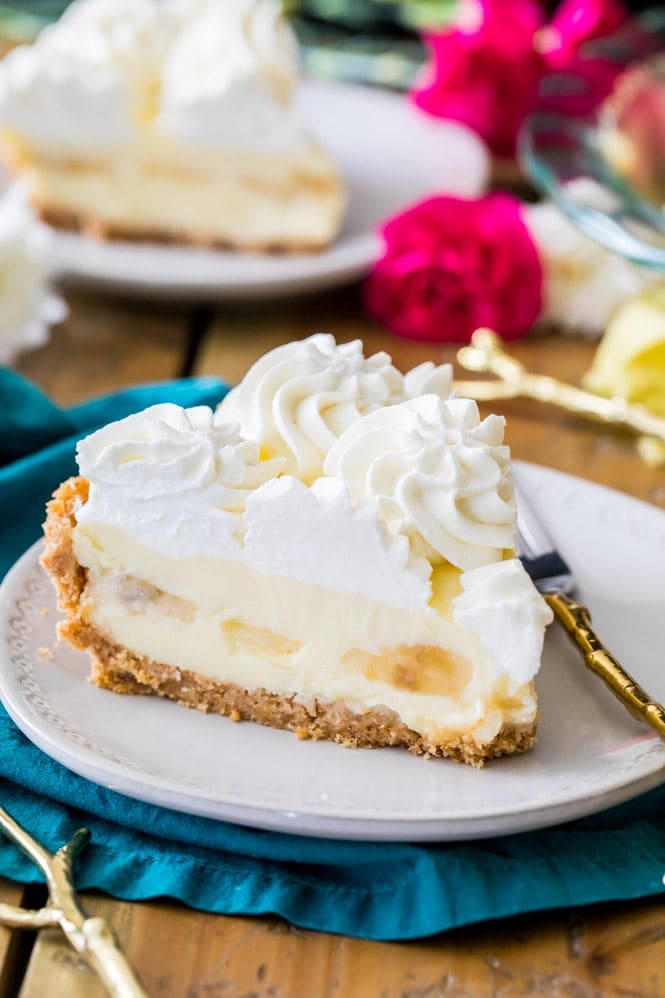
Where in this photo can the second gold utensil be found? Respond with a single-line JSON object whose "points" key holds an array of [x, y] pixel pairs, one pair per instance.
{"points": [[513, 380], [90, 937]]}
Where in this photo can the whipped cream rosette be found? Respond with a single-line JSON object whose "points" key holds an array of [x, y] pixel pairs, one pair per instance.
{"points": [[172, 478], [436, 474], [298, 399]]}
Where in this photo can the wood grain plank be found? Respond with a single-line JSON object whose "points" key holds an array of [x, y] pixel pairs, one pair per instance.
{"points": [[106, 344], [14, 945], [57, 971], [611, 950]]}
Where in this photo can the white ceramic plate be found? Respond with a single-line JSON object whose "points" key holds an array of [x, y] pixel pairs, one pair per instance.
{"points": [[390, 155], [590, 753]]}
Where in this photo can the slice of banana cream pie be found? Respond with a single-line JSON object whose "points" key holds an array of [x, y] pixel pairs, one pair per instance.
{"points": [[169, 120], [331, 552]]}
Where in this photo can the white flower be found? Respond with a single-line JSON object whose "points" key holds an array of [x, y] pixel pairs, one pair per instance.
{"points": [[584, 282], [28, 305]]}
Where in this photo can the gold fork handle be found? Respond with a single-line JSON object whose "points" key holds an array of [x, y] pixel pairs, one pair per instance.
{"points": [[106, 957], [576, 621]]}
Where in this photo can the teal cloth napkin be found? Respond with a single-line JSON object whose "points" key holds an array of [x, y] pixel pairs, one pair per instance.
{"points": [[370, 890]]}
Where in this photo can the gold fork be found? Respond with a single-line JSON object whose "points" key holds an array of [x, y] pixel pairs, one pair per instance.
{"points": [[92, 938], [513, 380]]}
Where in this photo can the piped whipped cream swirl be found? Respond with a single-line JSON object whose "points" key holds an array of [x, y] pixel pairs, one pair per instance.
{"points": [[436, 473], [173, 478], [229, 76], [215, 73], [299, 398]]}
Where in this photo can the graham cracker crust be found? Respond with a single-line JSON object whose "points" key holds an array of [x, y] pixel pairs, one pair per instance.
{"points": [[105, 231], [117, 669]]}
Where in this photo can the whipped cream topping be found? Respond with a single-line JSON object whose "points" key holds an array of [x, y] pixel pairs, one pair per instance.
{"points": [[73, 87], [437, 474], [299, 398], [185, 483], [500, 603], [314, 535], [228, 78], [111, 71], [172, 478]]}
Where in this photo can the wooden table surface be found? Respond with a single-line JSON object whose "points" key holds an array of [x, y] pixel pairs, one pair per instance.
{"points": [[616, 949]]}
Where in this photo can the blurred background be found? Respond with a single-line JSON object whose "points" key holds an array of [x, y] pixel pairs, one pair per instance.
{"points": [[370, 41]]}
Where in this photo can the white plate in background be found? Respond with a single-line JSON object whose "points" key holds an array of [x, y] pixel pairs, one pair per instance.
{"points": [[390, 155]]}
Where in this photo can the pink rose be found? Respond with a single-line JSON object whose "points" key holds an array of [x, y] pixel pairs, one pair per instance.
{"points": [[582, 78], [575, 23], [485, 69], [452, 265]]}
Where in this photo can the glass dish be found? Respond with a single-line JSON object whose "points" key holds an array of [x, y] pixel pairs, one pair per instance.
{"points": [[557, 147]]}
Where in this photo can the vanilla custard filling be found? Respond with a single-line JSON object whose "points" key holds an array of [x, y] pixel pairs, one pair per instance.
{"points": [[227, 621], [257, 200]]}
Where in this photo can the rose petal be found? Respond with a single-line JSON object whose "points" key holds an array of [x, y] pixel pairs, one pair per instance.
{"points": [[451, 265]]}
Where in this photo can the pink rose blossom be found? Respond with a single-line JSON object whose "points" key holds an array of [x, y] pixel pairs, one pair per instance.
{"points": [[485, 69], [583, 79], [452, 265], [575, 23]]}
